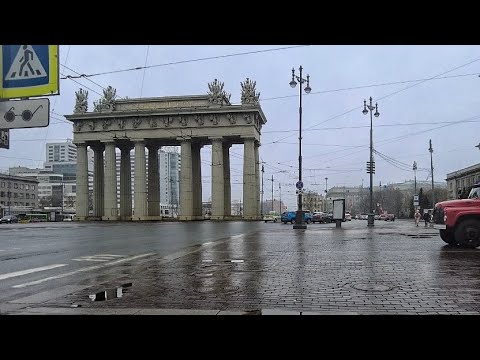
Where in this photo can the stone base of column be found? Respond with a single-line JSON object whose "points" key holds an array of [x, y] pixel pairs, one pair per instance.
{"points": [[80, 218], [217, 217], [232, 218], [252, 218], [93, 218], [125, 218], [110, 218], [198, 217], [185, 217], [153, 218], [140, 218]]}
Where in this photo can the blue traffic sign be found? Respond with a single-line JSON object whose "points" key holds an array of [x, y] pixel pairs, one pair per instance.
{"points": [[28, 70], [299, 185]]}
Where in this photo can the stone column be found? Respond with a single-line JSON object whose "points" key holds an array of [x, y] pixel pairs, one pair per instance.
{"points": [[186, 181], [257, 180], [98, 180], [227, 186], [249, 192], [82, 183], [125, 183], [153, 183], [110, 185], [218, 187], [140, 183], [197, 181]]}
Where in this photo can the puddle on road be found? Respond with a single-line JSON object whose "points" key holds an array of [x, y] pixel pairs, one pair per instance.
{"points": [[108, 294]]}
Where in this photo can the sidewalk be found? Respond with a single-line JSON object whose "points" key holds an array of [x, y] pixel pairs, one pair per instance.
{"points": [[394, 268]]}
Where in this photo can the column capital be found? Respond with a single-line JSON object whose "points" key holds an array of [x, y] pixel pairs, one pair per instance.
{"points": [[216, 138], [80, 143], [138, 141], [184, 139], [248, 138], [109, 141]]}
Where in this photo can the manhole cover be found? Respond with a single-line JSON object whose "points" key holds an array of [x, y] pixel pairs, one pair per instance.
{"points": [[372, 287]]}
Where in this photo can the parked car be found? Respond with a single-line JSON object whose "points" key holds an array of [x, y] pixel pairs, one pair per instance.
{"points": [[319, 217], [289, 216], [271, 216], [348, 216], [9, 219]]}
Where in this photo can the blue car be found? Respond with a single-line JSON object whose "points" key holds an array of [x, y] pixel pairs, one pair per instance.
{"points": [[289, 216]]}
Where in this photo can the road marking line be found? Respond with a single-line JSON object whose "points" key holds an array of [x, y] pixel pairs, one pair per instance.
{"points": [[99, 257], [29, 271], [90, 259], [81, 270]]}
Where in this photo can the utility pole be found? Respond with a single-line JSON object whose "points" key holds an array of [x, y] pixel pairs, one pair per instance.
{"points": [[272, 193], [431, 169], [326, 190], [415, 175], [261, 207], [280, 190]]}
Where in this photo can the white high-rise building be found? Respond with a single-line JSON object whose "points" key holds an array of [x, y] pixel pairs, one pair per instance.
{"points": [[61, 152], [169, 165]]}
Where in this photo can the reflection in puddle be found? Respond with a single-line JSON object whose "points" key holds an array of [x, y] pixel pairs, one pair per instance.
{"points": [[108, 294]]}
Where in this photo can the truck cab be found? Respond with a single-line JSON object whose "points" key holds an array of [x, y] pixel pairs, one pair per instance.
{"points": [[459, 220]]}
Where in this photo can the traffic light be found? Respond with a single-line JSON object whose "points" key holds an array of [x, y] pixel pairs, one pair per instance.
{"points": [[370, 168]]}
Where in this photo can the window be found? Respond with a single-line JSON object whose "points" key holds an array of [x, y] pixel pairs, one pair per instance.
{"points": [[22, 186], [27, 204], [33, 196], [15, 195], [33, 187], [27, 187], [2, 194], [15, 185], [27, 196], [3, 184]]}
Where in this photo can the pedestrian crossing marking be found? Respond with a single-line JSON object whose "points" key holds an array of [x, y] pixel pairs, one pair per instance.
{"points": [[26, 65]]}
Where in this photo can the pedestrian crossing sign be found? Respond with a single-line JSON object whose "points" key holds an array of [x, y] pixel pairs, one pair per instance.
{"points": [[28, 71]]}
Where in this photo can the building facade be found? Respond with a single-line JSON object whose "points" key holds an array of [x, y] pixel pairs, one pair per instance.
{"points": [[61, 152], [461, 181], [17, 194]]}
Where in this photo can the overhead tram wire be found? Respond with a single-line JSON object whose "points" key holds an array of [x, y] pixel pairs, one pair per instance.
{"points": [[383, 97], [87, 76]]}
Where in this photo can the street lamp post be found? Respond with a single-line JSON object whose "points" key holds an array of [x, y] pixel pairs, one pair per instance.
{"points": [[371, 163], [299, 220]]}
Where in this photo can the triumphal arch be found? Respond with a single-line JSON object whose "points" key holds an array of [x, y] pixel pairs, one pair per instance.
{"points": [[147, 124]]}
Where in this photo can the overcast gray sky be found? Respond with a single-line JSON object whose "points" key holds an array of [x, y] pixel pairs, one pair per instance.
{"points": [[336, 133]]}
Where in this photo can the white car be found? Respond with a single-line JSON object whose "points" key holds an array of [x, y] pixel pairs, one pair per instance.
{"points": [[271, 216]]}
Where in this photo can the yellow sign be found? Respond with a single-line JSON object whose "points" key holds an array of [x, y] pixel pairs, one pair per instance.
{"points": [[29, 71]]}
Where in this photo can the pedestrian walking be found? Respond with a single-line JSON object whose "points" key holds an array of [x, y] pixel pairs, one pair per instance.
{"points": [[426, 218], [417, 217]]}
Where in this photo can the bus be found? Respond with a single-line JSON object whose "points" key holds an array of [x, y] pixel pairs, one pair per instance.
{"points": [[26, 218]]}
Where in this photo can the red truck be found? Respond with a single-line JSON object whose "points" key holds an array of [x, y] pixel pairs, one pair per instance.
{"points": [[459, 220]]}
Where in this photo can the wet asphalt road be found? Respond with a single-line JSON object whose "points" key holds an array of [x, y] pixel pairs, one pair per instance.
{"points": [[393, 268], [52, 249]]}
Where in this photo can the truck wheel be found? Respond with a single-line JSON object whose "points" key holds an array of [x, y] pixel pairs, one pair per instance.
{"points": [[308, 221], [285, 222], [274, 220], [447, 237], [468, 233], [293, 221]]}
